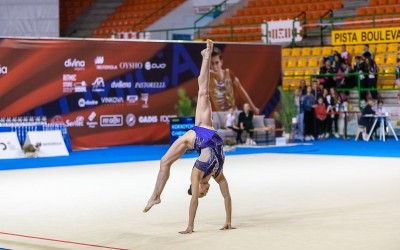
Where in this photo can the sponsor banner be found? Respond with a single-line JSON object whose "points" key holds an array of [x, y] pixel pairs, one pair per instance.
{"points": [[124, 92], [132, 99], [130, 120], [111, 120], [366, 36], [3, 70], [99, 62], [79, 121], [51, 143], [121, 85], [76, 64], [85, 103], [150, 85], [153, 65], [9, 146], [281, 31], [92, 122], [130, 65], [98, 85], [112, 100]]}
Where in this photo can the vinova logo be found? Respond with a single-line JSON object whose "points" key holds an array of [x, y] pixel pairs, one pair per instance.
{"points": [[98, 85], [99, 61], [3, 70], [108, 100], [78, 65], [149, 65], [111, 120], [83, 103]]}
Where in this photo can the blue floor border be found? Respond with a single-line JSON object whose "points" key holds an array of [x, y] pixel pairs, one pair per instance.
{"points": [[390, 148]]}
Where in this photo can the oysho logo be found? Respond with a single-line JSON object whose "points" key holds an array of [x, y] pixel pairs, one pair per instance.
{"points": [[3, 70], [130, 120], [111, 120], [112, 99], [78, 122], [149, 65], [148, 119], [75, 63], [99, 60], [130, 65], [98, 85], [83, 103]]}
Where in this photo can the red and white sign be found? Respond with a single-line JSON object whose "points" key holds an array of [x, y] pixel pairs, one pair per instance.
{"points": [[281, 31]]}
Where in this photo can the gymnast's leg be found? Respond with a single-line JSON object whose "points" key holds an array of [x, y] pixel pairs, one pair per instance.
{"points": [[203, 108], [176, 150]]}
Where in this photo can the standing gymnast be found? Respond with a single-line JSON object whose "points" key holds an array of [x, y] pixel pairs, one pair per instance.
{"points": [[209, 145]]}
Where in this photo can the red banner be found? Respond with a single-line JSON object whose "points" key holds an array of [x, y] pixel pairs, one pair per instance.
{"points": [[122, 92]]}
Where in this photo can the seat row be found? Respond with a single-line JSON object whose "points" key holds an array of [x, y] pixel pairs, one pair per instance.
{"points": [[261, 3], [329, 50]]}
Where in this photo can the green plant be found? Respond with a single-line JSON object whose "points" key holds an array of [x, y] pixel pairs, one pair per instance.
{"points": [[286, 109], [229, 142], [31, 148], [184, 107]]}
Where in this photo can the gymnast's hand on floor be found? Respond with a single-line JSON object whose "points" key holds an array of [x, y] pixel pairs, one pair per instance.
{"points": [[227, 226]]}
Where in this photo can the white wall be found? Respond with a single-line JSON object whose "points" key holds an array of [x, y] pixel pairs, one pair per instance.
{"points": [[29, 18]]}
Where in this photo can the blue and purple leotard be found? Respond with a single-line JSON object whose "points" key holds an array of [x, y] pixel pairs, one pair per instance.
{"points": [[209, 145]]}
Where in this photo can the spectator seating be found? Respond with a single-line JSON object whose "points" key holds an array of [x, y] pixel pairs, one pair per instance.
{"points": [[69, 10], [134, 15], [301, 63], [245, 24], [385, 13]]}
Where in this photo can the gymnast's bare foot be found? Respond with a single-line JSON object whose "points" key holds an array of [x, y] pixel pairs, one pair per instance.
{"points": [[152, 202], [207, 52]]}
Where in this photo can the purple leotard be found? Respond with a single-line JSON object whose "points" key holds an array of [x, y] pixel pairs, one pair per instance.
{"points": [[209, 139]]}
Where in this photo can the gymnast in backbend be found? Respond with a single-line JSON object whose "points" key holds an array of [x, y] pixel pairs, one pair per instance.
{"points": [[208, 144]]}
